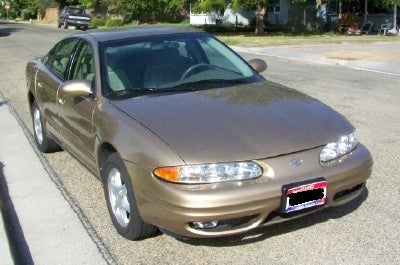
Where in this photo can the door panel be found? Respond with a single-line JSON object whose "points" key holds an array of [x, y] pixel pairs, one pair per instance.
{"points": [[47, 85], [76, 113], [49, 78]]}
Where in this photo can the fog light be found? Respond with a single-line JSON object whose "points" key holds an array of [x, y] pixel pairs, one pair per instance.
{"points": [[205, 225]]}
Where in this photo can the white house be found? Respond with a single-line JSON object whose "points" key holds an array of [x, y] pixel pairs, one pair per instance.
{"points": [[278, 14]]}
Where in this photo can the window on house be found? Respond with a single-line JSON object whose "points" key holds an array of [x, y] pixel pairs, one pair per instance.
{"points": [[274, 6]]}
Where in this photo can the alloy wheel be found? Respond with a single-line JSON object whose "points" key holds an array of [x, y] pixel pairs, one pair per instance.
{"points": [[37, 123], [118, 197]]}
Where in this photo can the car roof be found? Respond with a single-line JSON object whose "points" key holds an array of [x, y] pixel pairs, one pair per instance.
{"points": [[118, 33]]}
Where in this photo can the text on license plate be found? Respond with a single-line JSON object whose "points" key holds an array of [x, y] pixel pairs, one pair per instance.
{"points": [[298, 196]]}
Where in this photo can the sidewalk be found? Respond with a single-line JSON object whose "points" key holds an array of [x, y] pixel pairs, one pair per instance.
{"points": [[5, 254], [381, 57], [53, 232]]}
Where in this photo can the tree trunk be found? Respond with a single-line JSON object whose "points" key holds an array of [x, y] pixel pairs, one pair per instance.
{"points": [[395, 18], [261, 11]]}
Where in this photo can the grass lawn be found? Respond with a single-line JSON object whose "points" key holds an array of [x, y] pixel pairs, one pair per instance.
{"points": [[249, 39], [270, 39]]}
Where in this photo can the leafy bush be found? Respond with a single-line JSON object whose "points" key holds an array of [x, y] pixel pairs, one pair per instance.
{"points": [[114, 22], [186, 22], [97, 22], [26, 14], [12, 14]]}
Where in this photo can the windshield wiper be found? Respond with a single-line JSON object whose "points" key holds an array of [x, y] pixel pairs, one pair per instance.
{"points": [[191, 86], [134, 91]]}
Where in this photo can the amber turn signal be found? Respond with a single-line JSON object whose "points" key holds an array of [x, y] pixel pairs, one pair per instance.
{"points": [[167, 173]]}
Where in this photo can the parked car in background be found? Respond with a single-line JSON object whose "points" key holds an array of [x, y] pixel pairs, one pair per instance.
{"points": [[188, 137], [74, 16]]}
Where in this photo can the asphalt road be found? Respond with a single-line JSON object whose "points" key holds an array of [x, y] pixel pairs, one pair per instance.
{"points": [[366, 230]]}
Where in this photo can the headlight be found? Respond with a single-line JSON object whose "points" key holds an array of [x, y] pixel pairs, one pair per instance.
{"points": [[343, 146], [210, 173]]}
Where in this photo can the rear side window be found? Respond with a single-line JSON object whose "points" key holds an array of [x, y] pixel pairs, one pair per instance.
{"points": [[58, 58]]}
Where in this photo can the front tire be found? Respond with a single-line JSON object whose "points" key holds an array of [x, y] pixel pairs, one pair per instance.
{"points": [[44, 143], [65, 26], [121, 202]]}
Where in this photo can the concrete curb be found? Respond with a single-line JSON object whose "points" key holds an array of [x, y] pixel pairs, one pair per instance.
{"points": [[53, 226], [5, 251]]}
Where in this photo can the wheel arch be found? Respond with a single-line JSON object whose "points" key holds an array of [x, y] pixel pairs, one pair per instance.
{"points": [[105, 150], [31, 98]]}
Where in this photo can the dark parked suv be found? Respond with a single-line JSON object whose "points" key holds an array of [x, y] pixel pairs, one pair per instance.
{"points": [[75, 16]]}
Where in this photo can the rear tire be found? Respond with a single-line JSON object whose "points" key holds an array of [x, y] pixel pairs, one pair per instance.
{"points": [[43, 142], [121, 202]]}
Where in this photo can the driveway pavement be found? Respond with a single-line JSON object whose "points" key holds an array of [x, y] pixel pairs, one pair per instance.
{"points": [[31, 196]]}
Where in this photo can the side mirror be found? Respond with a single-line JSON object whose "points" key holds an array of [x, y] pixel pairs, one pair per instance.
{"points": [[258, 65], [76, 88]]}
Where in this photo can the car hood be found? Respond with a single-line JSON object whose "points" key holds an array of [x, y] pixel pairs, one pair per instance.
{"points": [[252, 121]]}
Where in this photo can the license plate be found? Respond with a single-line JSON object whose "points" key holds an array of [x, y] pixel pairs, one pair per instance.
{"points": [[303, 195]]}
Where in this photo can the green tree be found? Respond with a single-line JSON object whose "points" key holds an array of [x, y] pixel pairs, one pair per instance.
{"points": [[394, 4], [206, 5], [211, 4], [87, 3], [302, 14], [31, 7], [261, 7], [199, 6], [303, 2], [134, 9], [42, 5]]}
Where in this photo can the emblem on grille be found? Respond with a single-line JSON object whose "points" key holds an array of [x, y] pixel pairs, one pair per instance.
{"points": [[296, 162]]}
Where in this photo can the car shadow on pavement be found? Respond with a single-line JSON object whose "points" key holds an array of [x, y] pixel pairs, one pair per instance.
{"points": [[6, 32], [263, 233], [18, 246]]}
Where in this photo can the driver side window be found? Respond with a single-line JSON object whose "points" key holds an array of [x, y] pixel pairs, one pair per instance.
{"points": [[84, 64]]}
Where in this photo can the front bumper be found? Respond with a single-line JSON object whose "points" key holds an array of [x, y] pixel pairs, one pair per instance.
{"points": [[244, 205]]}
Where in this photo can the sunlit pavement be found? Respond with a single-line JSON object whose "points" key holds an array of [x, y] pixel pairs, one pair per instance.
{"points": [[43, 227], [381, 57]]}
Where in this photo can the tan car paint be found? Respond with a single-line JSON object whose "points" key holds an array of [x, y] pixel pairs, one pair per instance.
{"points": [[153, 131]]}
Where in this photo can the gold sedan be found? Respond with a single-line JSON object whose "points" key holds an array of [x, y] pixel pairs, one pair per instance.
{"points": [[189, 138]]}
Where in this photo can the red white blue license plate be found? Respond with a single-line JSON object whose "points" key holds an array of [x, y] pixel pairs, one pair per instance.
{"points": [[303, 195]]}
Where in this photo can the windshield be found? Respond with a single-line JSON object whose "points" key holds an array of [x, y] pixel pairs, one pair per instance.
{"points": [[165, 63]]}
